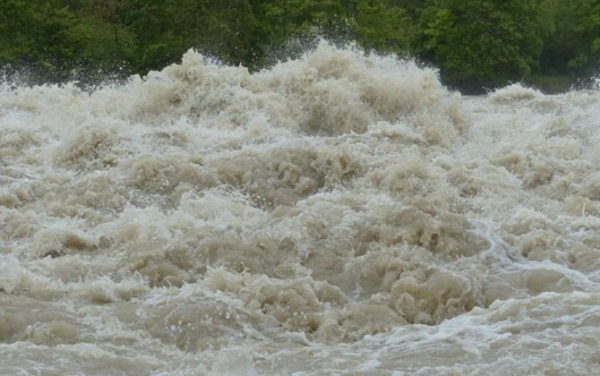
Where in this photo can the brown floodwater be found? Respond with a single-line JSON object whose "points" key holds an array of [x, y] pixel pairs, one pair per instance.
{"points": [[335, 214]]}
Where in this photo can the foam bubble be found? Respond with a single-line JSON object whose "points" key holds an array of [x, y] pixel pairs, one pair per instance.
{"points": [[340, 212]]}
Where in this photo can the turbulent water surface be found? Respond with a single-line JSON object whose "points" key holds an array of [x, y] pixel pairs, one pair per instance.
{"points": [[336, 214]]}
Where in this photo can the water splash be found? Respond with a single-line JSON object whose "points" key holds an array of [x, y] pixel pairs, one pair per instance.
{"points": [[335, 213]]}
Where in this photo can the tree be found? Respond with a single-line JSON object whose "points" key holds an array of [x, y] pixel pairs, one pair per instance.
{"points": [[165, 29], [35, 35], [220, 28], [287, 27], [481, 42], [158, 41], [573, 46], [474, 42], [383, 27]]}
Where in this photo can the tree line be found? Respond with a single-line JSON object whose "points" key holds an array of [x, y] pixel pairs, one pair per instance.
{"points": [[474, 43]]}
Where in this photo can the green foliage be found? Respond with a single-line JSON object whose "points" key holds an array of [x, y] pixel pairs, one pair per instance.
{"points": [[285, 28], [220, 28], [573, 46], [164, 30], [382, 27], [487, 42], [157, 43], [286, 18], [51, 40], [473, 42]]}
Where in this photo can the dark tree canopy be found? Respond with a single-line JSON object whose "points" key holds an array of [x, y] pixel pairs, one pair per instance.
{"points": [[475, 43], [482, 42]]}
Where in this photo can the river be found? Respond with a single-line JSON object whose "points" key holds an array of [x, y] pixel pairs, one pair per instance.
{"points": [[340, 213]]}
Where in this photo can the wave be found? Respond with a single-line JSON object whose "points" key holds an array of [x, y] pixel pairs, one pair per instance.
{"points": [[322, 215]]}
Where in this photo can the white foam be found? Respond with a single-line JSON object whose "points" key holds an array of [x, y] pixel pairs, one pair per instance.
{"points": [[338, 213]]}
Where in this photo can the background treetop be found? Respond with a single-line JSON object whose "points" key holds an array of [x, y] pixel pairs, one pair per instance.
{"points": [[474, 43]]}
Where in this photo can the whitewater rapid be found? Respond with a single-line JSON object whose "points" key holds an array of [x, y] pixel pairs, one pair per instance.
{"points": [[340, 213]]}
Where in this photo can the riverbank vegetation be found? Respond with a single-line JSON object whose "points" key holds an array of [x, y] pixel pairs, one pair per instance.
{"points": [[475, 43]]}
